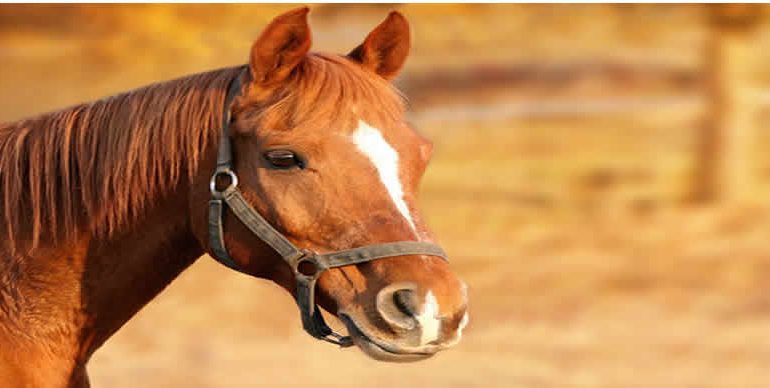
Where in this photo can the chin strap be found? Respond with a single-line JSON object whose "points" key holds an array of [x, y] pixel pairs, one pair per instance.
{"points": [[306, 265]]}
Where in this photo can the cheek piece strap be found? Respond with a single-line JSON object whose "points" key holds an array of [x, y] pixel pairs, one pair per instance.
{"points": [[306, 265]]}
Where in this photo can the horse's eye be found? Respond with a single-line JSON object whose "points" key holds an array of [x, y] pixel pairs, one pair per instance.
{"points": [[283, 159]]}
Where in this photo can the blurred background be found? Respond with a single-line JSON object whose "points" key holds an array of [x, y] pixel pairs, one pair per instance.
{"points": [[600, 180]]}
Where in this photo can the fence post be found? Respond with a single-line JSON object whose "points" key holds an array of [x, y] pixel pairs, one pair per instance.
{"points": [[724, 169]]}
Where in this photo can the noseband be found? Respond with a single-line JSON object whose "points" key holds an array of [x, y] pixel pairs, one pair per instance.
{"points": [[306, 265]]}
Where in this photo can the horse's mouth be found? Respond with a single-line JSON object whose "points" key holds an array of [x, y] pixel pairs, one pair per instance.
{"points": [[380, 350]]}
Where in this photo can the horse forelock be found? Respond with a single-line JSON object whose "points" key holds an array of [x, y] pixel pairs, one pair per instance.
{"points": [[328, 91]]}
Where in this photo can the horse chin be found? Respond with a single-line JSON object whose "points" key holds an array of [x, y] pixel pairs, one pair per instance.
{"points": [[379, 350]]}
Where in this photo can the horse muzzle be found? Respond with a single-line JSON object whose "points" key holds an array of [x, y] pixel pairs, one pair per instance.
{"points": [[405, 327]]}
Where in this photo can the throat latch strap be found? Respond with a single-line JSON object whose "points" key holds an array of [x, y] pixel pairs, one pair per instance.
{"points": [[307, 266]]}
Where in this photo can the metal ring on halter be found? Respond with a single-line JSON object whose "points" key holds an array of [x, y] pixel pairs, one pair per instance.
{"points": [[309, 259], [217, 194]]}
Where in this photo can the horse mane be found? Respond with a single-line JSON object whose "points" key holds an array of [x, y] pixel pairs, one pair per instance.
{"points": [[96, 166]]}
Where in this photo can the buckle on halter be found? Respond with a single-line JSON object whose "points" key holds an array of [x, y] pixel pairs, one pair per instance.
{"points": [[220, 172]]}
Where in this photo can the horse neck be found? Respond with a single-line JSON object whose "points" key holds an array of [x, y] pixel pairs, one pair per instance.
{"points": [[68, 300], [123, 273]]}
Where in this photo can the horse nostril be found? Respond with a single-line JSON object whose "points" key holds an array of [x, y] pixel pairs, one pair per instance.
{"points": [[406, 302], [398, 305]]}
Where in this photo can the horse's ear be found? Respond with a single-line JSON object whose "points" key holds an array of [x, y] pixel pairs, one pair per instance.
{"points": [[385, 49], [282, 46]]}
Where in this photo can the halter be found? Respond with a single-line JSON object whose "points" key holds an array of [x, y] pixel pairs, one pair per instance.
{"points": [[306, 265]]}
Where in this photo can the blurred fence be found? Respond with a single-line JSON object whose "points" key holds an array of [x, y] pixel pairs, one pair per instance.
{"points": [[711, 92]]}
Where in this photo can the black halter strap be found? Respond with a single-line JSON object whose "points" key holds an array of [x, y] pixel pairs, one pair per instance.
{"points": [[313, 264]]}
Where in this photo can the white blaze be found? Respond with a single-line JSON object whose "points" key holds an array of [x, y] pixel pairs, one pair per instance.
{"points": [[428, 320], [370, 142]]}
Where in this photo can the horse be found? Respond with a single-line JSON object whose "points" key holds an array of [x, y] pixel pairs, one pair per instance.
{"points": [[298, 167]]}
